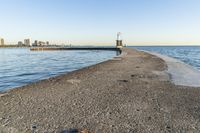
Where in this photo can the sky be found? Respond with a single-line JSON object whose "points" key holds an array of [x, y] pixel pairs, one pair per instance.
{"points": [[96, 22]]}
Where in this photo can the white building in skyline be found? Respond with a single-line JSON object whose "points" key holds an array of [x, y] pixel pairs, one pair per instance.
{"points": [[20, 43], [2, 42], [27, 42]]}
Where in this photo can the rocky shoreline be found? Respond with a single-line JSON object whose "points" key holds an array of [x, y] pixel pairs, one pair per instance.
{"points": [[130, 93]]}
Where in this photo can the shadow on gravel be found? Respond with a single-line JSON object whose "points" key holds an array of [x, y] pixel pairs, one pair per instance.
{"points": [[125, 81], [73, 130], [70, 131]]}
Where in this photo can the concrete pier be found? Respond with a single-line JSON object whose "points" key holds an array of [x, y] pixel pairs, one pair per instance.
{"points": [[73, 48], [129, 93]]}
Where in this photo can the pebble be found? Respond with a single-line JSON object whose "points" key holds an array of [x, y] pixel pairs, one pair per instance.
{"points": [[33, 127], [2, 118], [125, 81], [74, 104], [133, 75], [4, 125], [111, 125]]}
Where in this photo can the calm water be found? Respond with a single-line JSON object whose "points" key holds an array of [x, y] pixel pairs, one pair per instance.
{"points": [[187, 54], [19, 66]]}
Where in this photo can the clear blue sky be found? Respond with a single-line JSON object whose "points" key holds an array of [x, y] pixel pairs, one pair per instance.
{"points": [[98, 21]]}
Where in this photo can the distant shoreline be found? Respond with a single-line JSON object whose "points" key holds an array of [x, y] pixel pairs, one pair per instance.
{"points": [[16, 46], [13, 46]]}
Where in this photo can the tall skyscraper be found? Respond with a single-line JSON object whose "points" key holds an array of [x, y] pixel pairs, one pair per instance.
{"points": [[27, 42], [2, 41]]}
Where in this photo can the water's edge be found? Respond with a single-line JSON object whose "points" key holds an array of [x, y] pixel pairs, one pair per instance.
{"points": [[120, 54], [180, 72]]}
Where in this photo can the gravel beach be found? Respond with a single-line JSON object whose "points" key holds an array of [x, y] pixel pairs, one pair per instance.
{"points": [[131, 93]]}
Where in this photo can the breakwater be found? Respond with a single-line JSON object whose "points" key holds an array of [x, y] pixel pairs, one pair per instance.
{"points": [[74, 48], [130, 94]]}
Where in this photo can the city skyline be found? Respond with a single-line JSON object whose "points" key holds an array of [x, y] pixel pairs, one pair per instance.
{"points": [[93, 22], [26, 42]]}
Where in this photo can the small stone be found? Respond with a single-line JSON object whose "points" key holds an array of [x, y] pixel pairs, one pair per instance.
{"points": [[130, 131], [85, 131], [125, 81], [4, 125], [34, 127], [6, 121], [141, 76], [109, 113], [74, 104], [133, 75], [112, 126], [168, 127], [2, 118]]}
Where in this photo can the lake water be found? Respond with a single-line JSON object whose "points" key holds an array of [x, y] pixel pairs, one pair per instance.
{"points": [[20, 66], [187, 54]]}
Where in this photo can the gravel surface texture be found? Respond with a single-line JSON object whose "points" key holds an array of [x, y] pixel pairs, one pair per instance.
{"points": [[131, 93]]}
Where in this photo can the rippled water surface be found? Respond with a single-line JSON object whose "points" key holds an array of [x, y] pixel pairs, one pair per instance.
{"points": [[187, 54], [20, 66]]}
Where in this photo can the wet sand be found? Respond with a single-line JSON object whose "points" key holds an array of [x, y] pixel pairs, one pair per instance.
{"points": [[129, 94]]}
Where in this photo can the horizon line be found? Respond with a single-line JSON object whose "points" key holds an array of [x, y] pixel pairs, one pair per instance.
{"points": [[128, 43]]}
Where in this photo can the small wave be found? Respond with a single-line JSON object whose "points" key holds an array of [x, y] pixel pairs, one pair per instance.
{"points": [[26, 74]]}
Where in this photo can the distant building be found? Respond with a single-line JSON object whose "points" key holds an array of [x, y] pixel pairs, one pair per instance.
{"points": [[41, 43], [47, 43], [20, 43], [2, 41], [35, 43], [27, 42]]}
